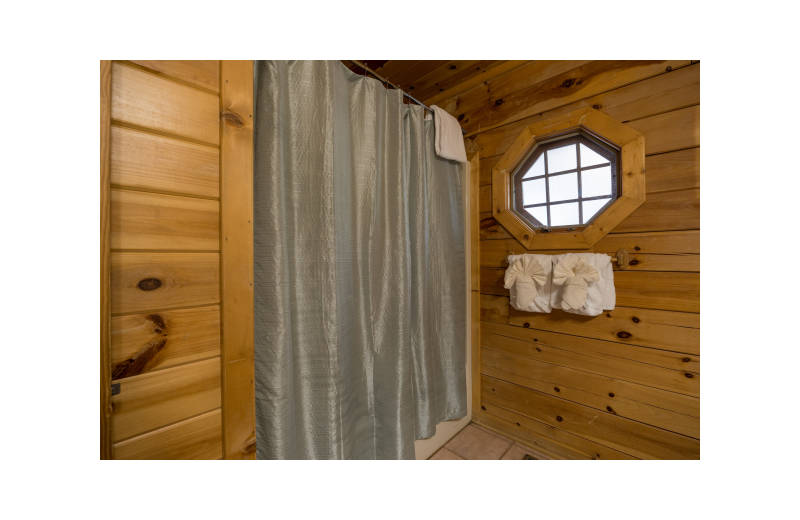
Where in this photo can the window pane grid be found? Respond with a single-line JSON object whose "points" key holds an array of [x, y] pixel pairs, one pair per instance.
{"points": [[594, 167], [570, 207]]}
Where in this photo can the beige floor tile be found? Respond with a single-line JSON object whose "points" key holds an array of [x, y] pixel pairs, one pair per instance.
{"points": [[474, 443], [517, 452], [445, 454], [487, 430]]}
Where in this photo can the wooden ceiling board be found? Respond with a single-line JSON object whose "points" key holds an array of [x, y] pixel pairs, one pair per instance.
{"points": [[450, 75], [419, 70]]}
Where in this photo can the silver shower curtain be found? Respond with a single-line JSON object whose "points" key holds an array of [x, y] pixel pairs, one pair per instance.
{"points": [[360, 309]]}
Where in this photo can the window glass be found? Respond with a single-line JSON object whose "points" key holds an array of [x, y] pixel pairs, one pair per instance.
{"points": [[564, 214], [534, 192], [566, 182], [537, 169], [562, 159], [596, 182]]}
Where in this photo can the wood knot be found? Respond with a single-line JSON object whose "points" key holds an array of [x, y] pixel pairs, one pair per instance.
{"points": [[568, 83], [559, 418], [596, 107], [623, 334], [149, 284], [688, 375], [635, 319], [637, 248], [499, 102], [250, 448], [453, 67], [526, 237], [633, 262], [460, 117], [232, 118], [141, 362], [608, 315], [156, 320], [686, 360], [538, 349], [557, 389], [669, 69], [611, 394], [483, 408], [611, 410], [492, 389], [518, 424], [526, 325]]}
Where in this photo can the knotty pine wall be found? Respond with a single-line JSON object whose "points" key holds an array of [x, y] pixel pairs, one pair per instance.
{"points": [[165, 258], [626, 384]]}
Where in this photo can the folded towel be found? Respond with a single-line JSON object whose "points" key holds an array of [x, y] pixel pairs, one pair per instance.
{"points": [[528, 279], [449, 142], [583, 283]]}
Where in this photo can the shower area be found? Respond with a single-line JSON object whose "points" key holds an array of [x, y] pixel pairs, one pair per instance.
{"points": [[400, 259]]}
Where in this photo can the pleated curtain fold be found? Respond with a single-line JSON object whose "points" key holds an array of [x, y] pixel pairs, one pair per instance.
{"points": [[360, 303]]}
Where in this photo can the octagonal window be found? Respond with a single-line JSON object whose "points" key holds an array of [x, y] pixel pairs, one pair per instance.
{"points": [[566, 182]]}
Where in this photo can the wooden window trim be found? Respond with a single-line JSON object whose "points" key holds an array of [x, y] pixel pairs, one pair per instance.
{"points": [[631, 174]]}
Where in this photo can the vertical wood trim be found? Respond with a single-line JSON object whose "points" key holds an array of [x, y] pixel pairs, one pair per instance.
{"points": [[475, 300], [236, 258], [105, 256]]}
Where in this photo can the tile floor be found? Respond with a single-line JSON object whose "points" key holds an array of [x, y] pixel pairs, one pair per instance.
{"points": [[478, 443]]}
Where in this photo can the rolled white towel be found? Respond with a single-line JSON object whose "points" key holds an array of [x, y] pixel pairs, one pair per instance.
{"points": [[535, 273], [583, 283]]}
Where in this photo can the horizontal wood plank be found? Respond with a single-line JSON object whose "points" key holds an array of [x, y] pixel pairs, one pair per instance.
{"points": [[494, 308], [673, 171], [152, 281], [538, 435], [664, 330], [150, 101], [563, 89], [447, 76], [492, 280], [671, 211], [599, 348], [662, 291], [150, 401], [506, 85], [616, 391], [203, 73], [153, 162], [678, 291], [451, 93], [198, 438], [675, 263], [494, 253], [671, 131], [666, 243], [613, 431], [154, 221], [659, 94], [678, 381], [571, 385], [142, 343]]}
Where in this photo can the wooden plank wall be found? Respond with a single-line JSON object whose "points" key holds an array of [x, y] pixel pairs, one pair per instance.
{"points": [[626, 384], [165, 270]]}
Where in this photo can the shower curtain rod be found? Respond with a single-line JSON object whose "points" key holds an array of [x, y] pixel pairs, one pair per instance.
{"points": [[384, 80]]}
